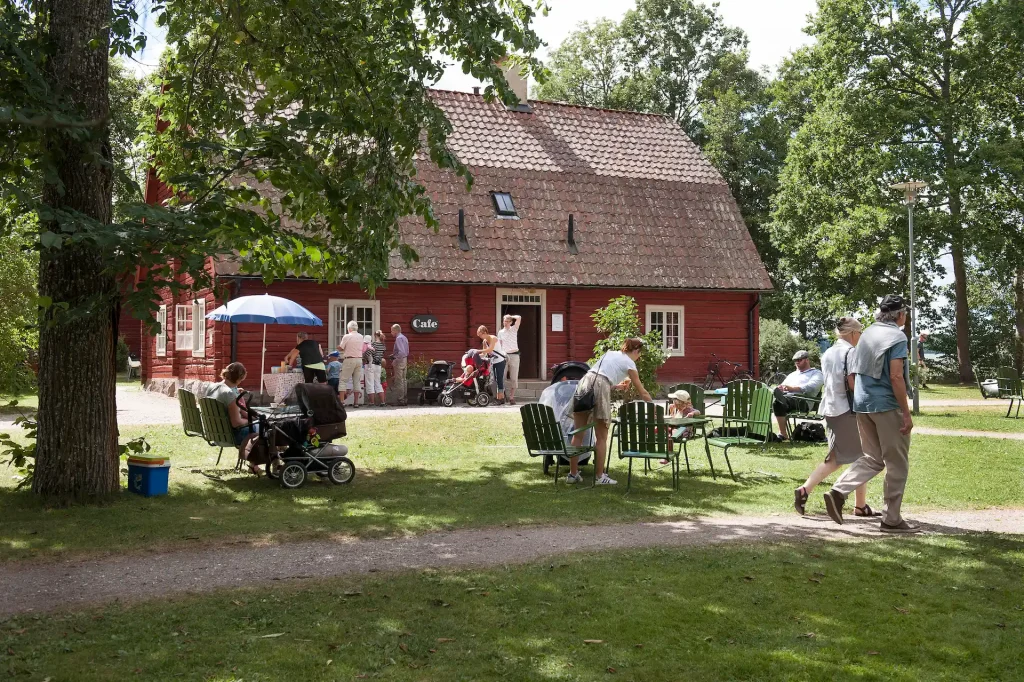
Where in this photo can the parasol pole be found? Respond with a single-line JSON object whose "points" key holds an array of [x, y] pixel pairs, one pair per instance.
{"points": [[263, 358]]}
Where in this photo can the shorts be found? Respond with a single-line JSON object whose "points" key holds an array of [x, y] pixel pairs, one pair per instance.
{"points": [[602, 395], [243, 432], [843, 438], [334, 383]]}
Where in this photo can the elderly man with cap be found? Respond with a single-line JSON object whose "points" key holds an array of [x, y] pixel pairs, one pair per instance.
{"points": [[805, 382], [881, 375]]}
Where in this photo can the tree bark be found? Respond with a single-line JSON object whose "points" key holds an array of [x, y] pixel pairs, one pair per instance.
{"points": [[1018, 290], [77, 455], [963, 330]]}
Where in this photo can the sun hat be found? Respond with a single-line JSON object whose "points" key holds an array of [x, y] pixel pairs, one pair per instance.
{"points": [[334, 354], [679, 395], [367, 338]]}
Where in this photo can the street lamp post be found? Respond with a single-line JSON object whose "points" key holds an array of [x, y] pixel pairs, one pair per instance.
{"points": [[910, 191]]}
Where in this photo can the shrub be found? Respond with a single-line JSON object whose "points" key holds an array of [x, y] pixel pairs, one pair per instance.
{"points": [[121, 357], [779, 345], [416, 371], [620, 320]]}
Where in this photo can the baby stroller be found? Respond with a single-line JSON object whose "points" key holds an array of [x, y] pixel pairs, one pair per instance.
{"points": [[437, 376], [476, 370], [295, 447]]}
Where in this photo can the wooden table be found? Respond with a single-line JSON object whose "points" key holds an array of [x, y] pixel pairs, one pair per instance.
{"points": [[701, 422]]}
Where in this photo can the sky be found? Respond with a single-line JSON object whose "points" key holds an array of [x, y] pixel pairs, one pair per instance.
{"points": [[775, 28]]}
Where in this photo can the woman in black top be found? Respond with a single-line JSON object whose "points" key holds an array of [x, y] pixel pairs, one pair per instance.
{"points": [[312, 356]]}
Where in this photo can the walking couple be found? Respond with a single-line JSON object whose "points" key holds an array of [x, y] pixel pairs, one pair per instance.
{"points": [[867, 416]]}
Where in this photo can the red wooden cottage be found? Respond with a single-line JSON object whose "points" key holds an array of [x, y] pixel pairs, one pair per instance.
{"points": [[570, 207]]}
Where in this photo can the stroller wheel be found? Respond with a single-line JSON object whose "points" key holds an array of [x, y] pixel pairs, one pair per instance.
{"points": [[421, 400], [274, 468], [446, 401], [293, 475], [342, 471], [483, 399]]}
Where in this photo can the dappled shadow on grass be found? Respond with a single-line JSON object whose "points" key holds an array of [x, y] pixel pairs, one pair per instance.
{"points": [[218, 503], [906, 609]]}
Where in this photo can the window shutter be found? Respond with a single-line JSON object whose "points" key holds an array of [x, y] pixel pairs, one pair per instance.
{"points": [[199, 328], [161, 337]]}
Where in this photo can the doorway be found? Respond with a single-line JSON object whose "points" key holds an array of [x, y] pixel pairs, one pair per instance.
{"points": [[530, 330]]}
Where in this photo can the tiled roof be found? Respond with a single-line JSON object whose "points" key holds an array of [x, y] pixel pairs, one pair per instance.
{"points": [[649, 210]]}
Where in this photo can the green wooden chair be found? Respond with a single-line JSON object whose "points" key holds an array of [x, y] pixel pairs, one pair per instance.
{"points": [[808, 410], [191, 417], [748, 405], [1010, 388], [643, 434], [544, 437], [217, 425], [697, 398]]}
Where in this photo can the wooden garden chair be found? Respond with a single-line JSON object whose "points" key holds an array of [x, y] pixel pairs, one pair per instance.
{"points": [[217, 426], [749, 406], [544, 437], [1010, 388], [191, 417], [808, 410], [697, 398], [644, 434]]}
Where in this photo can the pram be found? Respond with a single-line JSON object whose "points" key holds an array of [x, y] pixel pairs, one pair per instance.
{"points": [[294, 447], [476, 370], [437, 376]]}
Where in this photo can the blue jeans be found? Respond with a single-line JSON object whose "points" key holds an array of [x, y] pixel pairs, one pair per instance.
{"points": [[498, 370]]}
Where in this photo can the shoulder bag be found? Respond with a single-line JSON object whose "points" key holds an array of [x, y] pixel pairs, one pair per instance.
{"points": [[586, 400]]}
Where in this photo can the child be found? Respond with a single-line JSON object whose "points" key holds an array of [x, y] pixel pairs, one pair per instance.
{"points": [[334, 370], [681, 406]]}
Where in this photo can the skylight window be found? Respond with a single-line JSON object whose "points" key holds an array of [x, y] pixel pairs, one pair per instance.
{"points": [[503, 204]]}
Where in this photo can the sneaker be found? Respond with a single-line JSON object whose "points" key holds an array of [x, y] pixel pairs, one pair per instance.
{"points": [[604, 480], [901, 527], [574, 478], [834, 505]]}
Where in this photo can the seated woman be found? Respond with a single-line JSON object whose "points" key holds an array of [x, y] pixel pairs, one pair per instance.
{"points": [[227, 392]]}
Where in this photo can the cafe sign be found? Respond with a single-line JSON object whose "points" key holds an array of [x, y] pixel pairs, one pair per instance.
{"points": [[425, 324]]}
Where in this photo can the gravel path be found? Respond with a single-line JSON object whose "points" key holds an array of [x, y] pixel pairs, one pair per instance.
{"points": [[75, 584]]}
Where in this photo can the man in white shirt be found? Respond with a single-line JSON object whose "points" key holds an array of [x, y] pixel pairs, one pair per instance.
{"points": [[805, 382], [351, 349], [509, 337]]}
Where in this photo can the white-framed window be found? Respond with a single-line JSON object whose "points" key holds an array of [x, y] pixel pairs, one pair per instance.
{"points": [[183, 327], [161, 335], [669, 321], [199, 328], [342, 311]]}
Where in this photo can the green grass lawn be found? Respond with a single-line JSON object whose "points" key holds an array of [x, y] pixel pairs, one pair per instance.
{"points": [[439, 472], [951, 392], [970, 419], [927, 608], [29, 402]]}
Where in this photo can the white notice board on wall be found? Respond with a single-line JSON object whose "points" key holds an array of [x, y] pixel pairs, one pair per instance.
{"points": [[556, 322]]}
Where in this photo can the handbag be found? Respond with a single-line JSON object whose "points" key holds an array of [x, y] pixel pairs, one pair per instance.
{"points": [[587, 400], [846, 376]]}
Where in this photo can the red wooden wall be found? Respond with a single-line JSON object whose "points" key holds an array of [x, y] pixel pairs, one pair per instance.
{"points": [[713, 322]]}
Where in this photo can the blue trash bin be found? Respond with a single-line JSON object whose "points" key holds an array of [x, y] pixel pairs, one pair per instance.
{"points": [[148, 480]]}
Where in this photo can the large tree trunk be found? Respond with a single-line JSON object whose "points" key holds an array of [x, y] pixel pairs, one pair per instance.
{"points": [[77, 453], [963, 329], [1018, 289]]}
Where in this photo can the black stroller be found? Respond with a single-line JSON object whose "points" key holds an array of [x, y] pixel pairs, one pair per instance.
{"points": [[437, 376], [292, 448]]}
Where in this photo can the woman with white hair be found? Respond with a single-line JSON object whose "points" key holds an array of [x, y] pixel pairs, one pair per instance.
{"points": [[351, 349], [840, 420]]}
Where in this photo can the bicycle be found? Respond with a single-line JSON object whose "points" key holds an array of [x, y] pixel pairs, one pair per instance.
{"points": [[715, 373]]}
